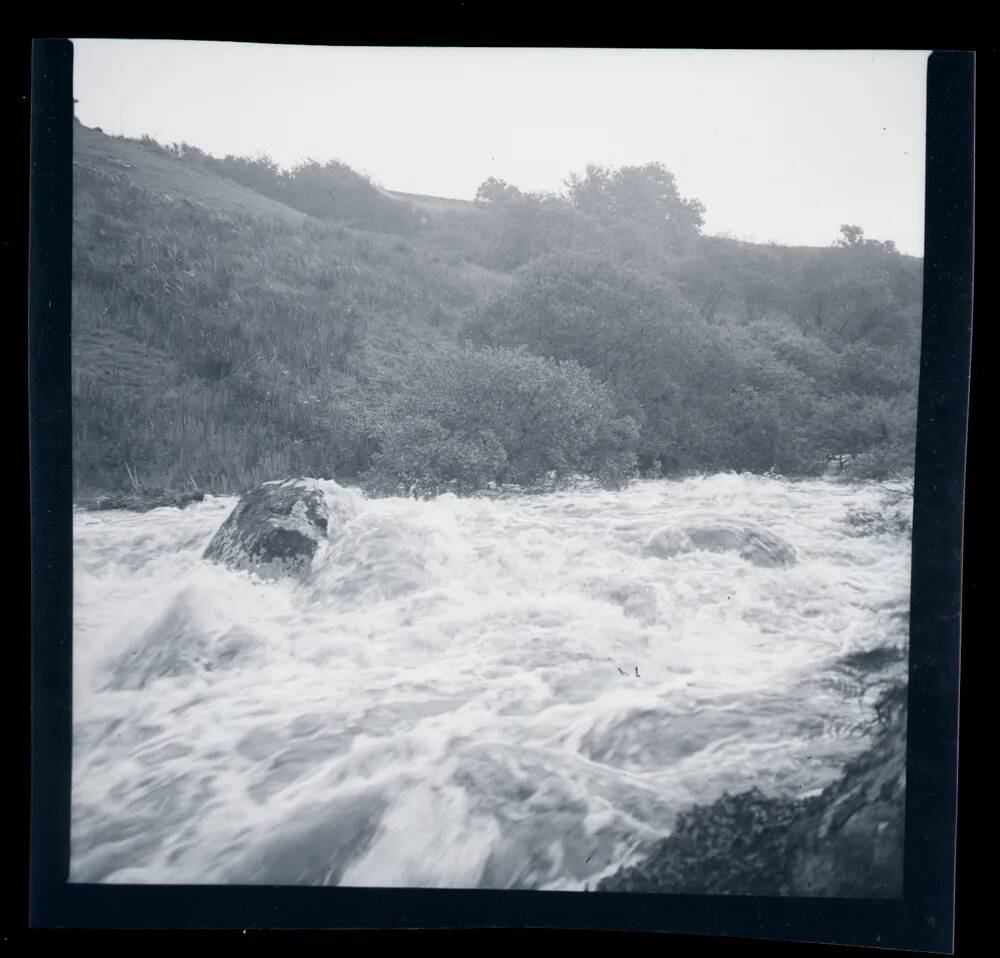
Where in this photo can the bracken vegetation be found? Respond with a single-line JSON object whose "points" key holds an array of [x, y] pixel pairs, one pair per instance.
{"points": [[519, 339]]}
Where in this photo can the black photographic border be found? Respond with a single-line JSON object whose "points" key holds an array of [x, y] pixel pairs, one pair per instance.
{"points": [[922, 920]]}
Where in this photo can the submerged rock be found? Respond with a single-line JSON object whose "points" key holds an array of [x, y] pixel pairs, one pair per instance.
{"points": [[274, 530], [181, 641], [750, 542]]}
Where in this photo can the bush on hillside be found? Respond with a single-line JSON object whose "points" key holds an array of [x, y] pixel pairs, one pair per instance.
{"points": [[469, 416], [756, 396]]}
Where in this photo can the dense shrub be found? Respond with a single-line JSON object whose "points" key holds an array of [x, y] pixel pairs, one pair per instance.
{"points": [[757, 393], [469, 416]]}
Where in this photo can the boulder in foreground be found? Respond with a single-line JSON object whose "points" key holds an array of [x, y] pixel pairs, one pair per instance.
{"points": [[274, 530]]}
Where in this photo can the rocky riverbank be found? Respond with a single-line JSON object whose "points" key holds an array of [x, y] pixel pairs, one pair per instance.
{"points": [[142, 500], [845, 842]]}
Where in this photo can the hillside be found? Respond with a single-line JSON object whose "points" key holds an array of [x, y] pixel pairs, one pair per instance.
{"points": [[234, 322], [210, 323], [435, 204], [170, 179]]}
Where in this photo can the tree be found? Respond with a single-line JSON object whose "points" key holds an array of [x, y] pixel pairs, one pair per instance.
{"points": [[850, 237], [493, 193], [853, 237], [647, 194]]}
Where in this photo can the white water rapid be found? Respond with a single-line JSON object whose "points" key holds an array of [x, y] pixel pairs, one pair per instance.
{"points": [[492, 692]]}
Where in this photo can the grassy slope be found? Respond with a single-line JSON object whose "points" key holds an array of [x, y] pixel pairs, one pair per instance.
{"points": [[435, 204], [215, 329], [172, 179]]}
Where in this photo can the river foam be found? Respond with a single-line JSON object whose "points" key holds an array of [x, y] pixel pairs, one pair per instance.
{"points": [[496, 692]]}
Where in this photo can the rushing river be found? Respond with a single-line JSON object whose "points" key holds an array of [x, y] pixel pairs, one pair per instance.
{"points": [[495, 692]]}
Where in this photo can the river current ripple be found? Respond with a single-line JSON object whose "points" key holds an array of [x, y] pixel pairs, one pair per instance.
{"points": [[495, 692]]}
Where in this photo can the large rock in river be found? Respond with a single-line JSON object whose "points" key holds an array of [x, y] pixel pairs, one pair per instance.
{"points": [[750, 542], [274, 530]]}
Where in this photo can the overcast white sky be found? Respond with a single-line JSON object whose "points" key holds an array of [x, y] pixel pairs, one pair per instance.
{"points": [[778, 145]]}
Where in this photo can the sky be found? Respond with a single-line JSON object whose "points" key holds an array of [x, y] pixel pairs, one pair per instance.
{"points": [[780, 146]]}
